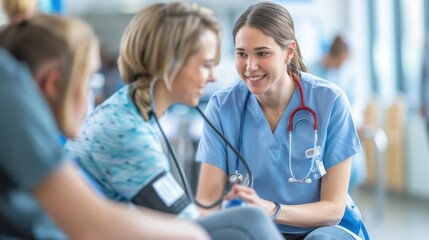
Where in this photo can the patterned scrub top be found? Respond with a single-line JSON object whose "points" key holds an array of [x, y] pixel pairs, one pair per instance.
{"points": [[121, 150]]}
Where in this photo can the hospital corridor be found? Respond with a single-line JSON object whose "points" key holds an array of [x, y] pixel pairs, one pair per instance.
{"points": [[225, 119]]}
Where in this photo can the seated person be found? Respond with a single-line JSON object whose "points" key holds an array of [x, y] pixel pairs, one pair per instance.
{"points": [[42, 196], [167, 56]]}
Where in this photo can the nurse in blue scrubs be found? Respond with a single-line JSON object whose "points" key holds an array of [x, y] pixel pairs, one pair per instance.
{"points": [[306, 182]]}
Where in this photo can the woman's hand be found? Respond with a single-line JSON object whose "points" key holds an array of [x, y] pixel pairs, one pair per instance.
{"points": [[251, 198]]}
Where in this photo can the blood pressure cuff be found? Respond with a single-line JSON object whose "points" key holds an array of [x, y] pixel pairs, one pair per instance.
{"points": [[164, 194]]}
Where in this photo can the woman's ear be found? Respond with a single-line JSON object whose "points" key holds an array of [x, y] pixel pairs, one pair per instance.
{"points": [[290, 51], [50, 83]]}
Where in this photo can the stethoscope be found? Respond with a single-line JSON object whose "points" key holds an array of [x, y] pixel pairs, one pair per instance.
{"points": [[316, 164], [152, 114]]}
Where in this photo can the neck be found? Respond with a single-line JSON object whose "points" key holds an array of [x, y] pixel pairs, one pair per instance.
{"points": [[161, 97], [277, 98]]}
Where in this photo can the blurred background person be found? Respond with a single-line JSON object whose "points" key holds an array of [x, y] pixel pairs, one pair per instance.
{"points": [[332, 65], [39, 189], [18, 10]]}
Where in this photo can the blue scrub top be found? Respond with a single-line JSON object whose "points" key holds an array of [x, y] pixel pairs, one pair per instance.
{"points": [[267, 152]]}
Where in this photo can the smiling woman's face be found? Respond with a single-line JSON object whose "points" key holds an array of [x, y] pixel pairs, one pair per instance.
{"points": [[259, 60]]}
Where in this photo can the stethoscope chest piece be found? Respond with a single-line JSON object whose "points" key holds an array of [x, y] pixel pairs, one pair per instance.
{"points": [[236, 178], [294, 180]]}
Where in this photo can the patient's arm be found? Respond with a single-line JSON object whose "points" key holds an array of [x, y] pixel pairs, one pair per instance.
{"points": [[84, 215]]}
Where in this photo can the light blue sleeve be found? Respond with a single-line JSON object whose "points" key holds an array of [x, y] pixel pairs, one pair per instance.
{"points": [[211, 148], [121, 151], [129, 158], [342, 140]]}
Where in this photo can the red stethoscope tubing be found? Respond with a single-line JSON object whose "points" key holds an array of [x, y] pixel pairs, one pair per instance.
{"points": [[302, 107]]}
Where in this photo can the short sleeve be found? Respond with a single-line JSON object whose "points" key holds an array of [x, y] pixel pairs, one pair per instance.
{"points": [[211, 148], [29, 144], [120, 150], [133, 162], [342, 140]]}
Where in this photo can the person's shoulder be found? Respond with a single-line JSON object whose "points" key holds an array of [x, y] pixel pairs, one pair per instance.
{"points": [[12, 68], [116, 105], [5, 55], [321, 89], [320, 84], [115, 114], [7, 59]]}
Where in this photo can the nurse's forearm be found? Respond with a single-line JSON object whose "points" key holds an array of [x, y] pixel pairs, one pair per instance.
{"points": [[210, 187], [330, 209], [204, 211], [311, 215]]}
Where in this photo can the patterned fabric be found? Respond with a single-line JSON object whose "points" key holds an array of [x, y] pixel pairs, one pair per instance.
{"points": [[118, 148]]}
